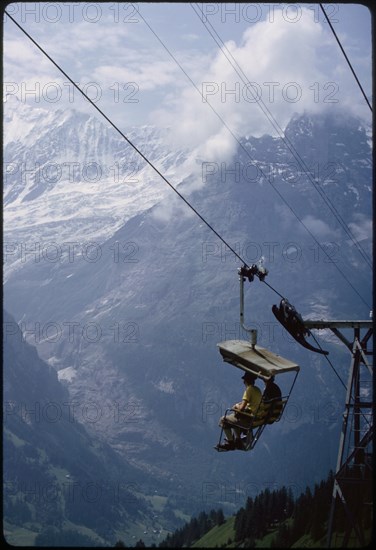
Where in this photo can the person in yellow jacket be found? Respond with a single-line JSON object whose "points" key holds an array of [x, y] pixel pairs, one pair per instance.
{"points": [[234, 422]]}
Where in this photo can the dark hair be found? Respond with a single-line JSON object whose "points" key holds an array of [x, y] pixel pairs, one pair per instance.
{"points": [[249, 377]]}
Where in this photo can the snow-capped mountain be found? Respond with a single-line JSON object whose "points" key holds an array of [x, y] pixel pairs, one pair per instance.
{"points": [[131, 322], [69, 177]]}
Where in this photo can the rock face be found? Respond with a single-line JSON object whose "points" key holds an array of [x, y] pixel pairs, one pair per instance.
{"points": [[125, 292], [53, 470]]}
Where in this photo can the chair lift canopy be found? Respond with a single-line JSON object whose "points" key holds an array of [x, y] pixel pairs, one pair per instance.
{"points": [[254, 359]]}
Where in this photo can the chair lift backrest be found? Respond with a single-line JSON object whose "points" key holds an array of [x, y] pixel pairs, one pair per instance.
{"points": [[269, 411], [274, 408]]}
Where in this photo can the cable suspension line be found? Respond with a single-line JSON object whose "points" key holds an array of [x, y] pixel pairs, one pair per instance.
{"points": [[230, 58], [344, 53], [128, 140], [160, 174], [158, 171], [252, 159], [329, 361]]}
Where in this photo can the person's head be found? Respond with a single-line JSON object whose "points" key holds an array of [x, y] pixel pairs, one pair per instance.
{"points": [[269, 381], [249, 378]]}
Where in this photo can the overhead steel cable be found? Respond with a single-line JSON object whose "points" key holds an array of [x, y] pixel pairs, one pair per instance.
{"points": [[127, 139], [347, 59], [253, 160], [225, 51], [329, 361], [158, 172], [152, 165], [230, 58]]}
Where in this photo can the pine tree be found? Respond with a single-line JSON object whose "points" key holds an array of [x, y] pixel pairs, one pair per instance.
{"points": [[283, 537], [239, 524]]}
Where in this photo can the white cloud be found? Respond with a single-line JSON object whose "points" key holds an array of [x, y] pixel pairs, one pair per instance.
{"points": [[23, 58], [361, 228], [190, 37], [318, 227], [289, 69], [293, 67], [147, 75], [170, 209]]}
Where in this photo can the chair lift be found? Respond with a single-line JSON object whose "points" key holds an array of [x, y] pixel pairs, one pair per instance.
{"points": [[264, 364]]}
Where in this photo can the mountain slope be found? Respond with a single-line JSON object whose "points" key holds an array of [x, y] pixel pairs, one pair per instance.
{"points": [[275, 519], [70, 179], [132, 322], [55, 474]]}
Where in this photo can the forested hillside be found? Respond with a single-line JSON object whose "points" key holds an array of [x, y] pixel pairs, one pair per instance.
{"points": [[274, 519]]}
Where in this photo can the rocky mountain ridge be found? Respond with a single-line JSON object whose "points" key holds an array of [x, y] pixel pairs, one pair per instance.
{"points": [[131, 322]]}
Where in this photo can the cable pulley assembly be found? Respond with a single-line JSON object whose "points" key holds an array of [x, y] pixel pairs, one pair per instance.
{"points": [[252, 271]]}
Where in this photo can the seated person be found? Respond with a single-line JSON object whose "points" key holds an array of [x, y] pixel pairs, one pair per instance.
{"points": [[234, 422], [270, 412]]}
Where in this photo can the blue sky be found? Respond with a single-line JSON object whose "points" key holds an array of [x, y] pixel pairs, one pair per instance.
{"points": [[157, 63]]}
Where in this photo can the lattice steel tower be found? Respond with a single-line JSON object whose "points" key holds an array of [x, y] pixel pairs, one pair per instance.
{"points": [[351, 507]]}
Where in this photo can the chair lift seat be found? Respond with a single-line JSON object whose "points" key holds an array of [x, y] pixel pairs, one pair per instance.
{"points": [[264, 364], [269, 411]]}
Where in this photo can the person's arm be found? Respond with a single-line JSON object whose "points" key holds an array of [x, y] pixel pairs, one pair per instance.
{"points": [[240, 406]]}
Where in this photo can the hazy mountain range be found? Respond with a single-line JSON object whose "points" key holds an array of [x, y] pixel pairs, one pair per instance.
{"points": [[125, 292]]}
